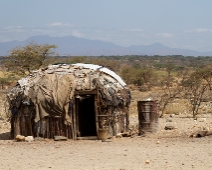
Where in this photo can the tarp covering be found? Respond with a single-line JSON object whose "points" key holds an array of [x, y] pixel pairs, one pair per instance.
{"points": [[103, 69], [51, 89]]}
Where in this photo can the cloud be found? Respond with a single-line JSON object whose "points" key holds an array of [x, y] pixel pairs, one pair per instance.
{"points": [[77, 33], [199, 30], [59, 24], [42, 31], [164, 35], [13, 27], [134, 30]]}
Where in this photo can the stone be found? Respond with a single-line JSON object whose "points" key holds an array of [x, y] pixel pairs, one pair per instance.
{"points": [[169, 127], [20, 138], [202, 120], [29, 138], [172, 115], [147, 161], [119, 135], [168, 120], [39, 139], [126, 134], [60, 138]]}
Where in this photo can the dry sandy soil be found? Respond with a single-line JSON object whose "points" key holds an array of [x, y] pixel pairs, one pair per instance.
{"points": [[166, 149]]}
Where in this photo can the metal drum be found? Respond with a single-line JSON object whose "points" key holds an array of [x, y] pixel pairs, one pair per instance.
{"points": [[102, 134], [148, 116]]}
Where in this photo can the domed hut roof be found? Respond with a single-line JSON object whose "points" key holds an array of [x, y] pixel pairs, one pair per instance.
{"points": [[62, 91]]}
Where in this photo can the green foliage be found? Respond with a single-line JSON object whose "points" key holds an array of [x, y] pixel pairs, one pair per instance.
{"points": [[6, 80], [138, 76], [23, 60]]}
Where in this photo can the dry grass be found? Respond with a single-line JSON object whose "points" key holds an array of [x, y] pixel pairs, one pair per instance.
{"points": [[178, 107], [3, 94]]}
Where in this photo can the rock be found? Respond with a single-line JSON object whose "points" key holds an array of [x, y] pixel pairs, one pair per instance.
{"points": [[20, 138], [202, 120], [168, 120], [201, 133], [119, 135], [172, 115], [158, 142], [29, 138], [39, 139], [147, 161], [126, 134], [112, 137], [169, 127], [106, 140], [60, 138]]}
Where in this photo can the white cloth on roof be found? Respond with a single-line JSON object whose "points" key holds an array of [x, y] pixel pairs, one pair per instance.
{"points": [[91, 66], [113, 74], [103, 69]]}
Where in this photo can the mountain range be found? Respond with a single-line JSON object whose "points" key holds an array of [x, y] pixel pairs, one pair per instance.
{"points": [[74, 46]]}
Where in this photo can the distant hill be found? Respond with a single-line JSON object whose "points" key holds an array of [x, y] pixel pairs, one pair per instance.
{"points": [[73, 46]]}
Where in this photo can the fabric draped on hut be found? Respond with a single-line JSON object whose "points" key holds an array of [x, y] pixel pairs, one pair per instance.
{"points": [[59, 99]]}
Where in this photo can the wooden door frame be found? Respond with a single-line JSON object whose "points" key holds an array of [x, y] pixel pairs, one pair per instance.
{"points": [[75, 116]]}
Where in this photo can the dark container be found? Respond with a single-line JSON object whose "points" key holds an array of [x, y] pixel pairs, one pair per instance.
{"points": [[148, 116]]}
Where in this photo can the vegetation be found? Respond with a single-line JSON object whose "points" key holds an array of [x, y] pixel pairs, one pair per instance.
{"points": [[197, 88], [22, 60], [177, 77]]}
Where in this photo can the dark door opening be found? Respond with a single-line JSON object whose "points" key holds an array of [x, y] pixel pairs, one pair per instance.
{"points": [[86, 115]]}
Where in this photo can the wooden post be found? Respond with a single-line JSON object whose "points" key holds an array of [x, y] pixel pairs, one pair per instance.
{"points": [[43, 125], [21, 125], [66, 131], [50, 128], [47, 128], [57, 127], [17, 126], [12, 128], [30, 124], [74, 134], [70, 132], [96, 106], [54, 129], [61, 127]]}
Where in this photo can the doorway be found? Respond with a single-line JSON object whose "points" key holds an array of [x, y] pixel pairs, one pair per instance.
{"points": [[85, 111]]}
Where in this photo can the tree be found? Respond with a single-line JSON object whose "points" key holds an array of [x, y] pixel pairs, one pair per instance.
{"points": [[171, 85], [143, 77], [4, 81], [196, 87], [24, 59], [171, 90]]}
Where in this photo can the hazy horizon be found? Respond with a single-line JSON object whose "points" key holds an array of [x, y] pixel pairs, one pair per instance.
{"points": [[177, 24]]}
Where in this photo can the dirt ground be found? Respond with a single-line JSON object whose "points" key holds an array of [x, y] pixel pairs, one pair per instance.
{"points": [[166, 149]]}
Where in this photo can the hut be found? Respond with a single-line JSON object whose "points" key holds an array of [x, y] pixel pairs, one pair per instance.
{"points": [[75, 101]]}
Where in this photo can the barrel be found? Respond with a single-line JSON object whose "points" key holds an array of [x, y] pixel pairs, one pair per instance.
{"points": [[102, 134], [148, 115]]}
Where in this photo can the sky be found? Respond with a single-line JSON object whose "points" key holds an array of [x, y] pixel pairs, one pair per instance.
{"points": [[185, 24]]}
